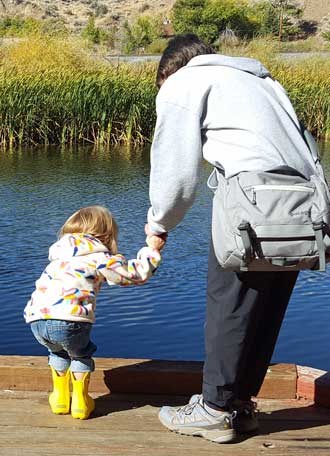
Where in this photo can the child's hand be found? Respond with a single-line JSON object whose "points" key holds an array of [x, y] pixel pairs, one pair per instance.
{"points": [[155, 242]]}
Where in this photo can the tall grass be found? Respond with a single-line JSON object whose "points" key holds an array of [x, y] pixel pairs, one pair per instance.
{"points": [[307, 82], [52, 91]]}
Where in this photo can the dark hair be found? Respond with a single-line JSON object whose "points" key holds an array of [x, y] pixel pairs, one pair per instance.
{"points": [[177, 54]]}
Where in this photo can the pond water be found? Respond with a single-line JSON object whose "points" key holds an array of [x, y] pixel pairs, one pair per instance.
{"points": [[40, 188]]}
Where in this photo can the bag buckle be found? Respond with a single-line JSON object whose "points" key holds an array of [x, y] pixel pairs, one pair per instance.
{"points": [[245, 229]]}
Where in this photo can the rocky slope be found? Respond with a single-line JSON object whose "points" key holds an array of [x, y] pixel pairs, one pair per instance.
{"points": [[75, 13]]}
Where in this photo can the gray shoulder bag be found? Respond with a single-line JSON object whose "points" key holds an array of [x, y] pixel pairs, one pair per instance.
{"points": [[275, 220]]}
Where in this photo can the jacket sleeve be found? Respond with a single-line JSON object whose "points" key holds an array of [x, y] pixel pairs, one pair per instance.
{"points": [[116, 270], [176, 156]]}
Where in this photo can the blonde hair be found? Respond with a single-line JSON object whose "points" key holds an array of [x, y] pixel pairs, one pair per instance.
{"points": [[96, 221]]}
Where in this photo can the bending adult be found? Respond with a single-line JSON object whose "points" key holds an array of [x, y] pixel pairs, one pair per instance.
{"points": [[231, 113]]}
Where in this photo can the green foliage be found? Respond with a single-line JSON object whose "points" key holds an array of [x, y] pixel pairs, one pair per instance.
{"points": [[326, 36], [277, 17], [209, 18], [157, 46], [187, 15], [141, 33], [266, 17], [20, 27], [97, 35], [17, 26]]}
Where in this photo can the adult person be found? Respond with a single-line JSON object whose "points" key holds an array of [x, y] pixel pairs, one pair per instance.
{"points": [[230, 112]]}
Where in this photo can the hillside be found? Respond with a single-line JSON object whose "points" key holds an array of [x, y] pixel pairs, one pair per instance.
{"points": [[75, 13]]}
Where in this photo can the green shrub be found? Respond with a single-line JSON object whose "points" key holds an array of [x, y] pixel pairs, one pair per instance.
{"points": [[157, 46], [97, 35], [141, 33], [326, 36], [17, 26], [209, 18]]}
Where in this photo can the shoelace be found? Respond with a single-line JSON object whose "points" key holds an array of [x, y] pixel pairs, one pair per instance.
{"points": [[188, 408], [246, 407]]}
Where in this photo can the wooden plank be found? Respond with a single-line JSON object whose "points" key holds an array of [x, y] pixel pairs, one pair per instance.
{"points": [[136, 376], [131, 428], [280, 382]]}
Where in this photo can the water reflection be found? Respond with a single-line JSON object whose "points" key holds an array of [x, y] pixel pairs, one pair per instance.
{"points": [[40, 188]]}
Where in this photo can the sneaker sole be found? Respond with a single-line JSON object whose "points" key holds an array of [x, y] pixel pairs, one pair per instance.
{"points": [[213, 435]]}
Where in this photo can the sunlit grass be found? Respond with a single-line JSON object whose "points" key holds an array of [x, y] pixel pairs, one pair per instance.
{"points": [[53, 91]]}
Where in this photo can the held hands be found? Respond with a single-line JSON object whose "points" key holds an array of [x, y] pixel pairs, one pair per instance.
{"points": [[155, 241]]}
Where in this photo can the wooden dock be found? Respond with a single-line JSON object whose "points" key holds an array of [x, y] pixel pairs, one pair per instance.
{"points": [[127, 394]]}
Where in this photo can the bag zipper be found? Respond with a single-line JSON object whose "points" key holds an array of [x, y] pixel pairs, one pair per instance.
{"points": [[293, 188]]}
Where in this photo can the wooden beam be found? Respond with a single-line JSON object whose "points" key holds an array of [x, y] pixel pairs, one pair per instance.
{"points": [[144, 376], [314, 384]]}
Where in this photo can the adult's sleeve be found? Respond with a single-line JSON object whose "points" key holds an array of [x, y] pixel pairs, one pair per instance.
{"points": [[176, 156]]}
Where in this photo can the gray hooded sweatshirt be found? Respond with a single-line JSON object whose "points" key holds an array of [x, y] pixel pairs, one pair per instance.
{"points": [[228, 111]]}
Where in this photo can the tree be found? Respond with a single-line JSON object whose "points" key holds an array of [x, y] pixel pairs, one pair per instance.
{"points": [[187, 15], [209, 18], [97, 35], [278, 17], [141, 33]]}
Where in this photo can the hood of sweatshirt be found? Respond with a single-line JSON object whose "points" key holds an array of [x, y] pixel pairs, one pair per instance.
{"points": [[239, 63], [73, 245]]}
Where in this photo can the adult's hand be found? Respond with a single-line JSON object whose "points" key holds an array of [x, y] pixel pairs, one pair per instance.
{"points": [[150, 233]]}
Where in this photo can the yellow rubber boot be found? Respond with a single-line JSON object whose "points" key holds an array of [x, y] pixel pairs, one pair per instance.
{"points": [[82, 404], [59, 399]]}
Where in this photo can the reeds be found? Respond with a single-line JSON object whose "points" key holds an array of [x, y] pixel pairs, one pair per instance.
{"points": [[307, 82], [52, 91]]}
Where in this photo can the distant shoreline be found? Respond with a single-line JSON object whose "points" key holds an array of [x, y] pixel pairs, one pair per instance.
{"points": [[156, 58]]}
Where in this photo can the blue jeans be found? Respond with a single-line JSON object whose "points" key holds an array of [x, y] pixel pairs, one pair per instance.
{"points": [[68, 343]]}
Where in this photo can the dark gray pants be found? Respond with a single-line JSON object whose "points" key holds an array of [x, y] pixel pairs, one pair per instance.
{"points": [[243, 318]]}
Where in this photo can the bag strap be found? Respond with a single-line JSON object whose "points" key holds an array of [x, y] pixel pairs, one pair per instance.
{"points": [[310, 142], [313, 149]]}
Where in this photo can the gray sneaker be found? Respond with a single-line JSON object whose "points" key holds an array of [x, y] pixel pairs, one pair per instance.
{"points": [[194, 419]]}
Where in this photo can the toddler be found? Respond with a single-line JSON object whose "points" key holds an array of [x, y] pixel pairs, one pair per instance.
{"points": [[61, 310]]}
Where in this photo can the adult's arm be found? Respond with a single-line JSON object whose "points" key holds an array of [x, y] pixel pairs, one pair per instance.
{"points": [[176, 156]]}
